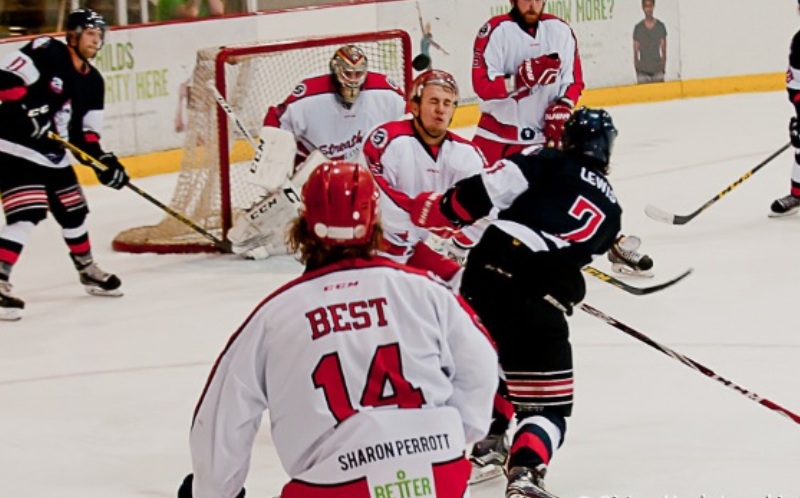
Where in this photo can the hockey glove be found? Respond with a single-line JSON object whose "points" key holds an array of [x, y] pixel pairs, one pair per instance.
{"points": [[185, 491], [426, 212], [542, 70], [114, 175], [555, 116], [558, 280], [794, 133]]}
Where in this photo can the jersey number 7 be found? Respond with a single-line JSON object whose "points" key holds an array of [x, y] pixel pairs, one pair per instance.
{"points": [[580, 209], [385, 384]]}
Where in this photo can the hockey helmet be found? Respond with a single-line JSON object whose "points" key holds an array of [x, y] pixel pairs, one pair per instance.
{"points": [[80, 19], [432, 77], [590, 132], [340, 202], [349, 71]]}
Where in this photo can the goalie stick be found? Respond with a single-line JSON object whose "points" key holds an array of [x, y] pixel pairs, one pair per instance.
{"points": [[689, 362], [631, 289], [678, 219], [274, 151], [98, 166]]}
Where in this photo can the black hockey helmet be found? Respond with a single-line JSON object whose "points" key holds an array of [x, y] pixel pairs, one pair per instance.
{"points": [[590, 132], [80, 19]]}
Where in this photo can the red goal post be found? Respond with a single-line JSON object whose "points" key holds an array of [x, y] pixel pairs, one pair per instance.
{"points": [[210, 187]]}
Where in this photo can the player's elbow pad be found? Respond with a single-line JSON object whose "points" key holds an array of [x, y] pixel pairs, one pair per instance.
{"points": [[467, 201], [12, 87]]}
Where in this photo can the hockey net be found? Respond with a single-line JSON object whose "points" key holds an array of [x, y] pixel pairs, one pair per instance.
{"points": [[211, 187]]}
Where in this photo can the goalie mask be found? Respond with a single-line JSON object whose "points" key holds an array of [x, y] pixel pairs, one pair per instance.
{"points": [[349, 72], [340, 203], [79, 20]]}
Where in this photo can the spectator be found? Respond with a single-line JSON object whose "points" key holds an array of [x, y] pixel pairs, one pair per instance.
{"points": [[188, 9], [650, 46]]}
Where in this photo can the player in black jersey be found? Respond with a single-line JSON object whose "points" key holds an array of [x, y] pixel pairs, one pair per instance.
{"points": [[48, 85], [557, 211], [790, 204]]}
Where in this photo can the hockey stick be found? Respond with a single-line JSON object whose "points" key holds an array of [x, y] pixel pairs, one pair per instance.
{"points": [[93, 163], [689, 362], [678, 219], [269, 171], [638, 291]]}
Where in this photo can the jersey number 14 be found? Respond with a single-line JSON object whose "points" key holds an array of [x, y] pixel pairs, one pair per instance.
{"points": [[385, 384]]}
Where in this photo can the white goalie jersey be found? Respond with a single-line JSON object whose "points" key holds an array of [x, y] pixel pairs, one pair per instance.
{"points": [[369, 369], [316, 117]]}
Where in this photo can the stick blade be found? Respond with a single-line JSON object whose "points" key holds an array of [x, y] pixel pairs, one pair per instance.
{"points": [[660, 215]]}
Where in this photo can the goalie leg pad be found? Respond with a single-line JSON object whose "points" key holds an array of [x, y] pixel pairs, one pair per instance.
{"points": [[260, 231]]}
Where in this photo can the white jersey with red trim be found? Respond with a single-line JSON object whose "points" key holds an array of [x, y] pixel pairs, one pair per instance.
{"points": [[404, 166], [315, 115], [501, 45], [367, 368]]}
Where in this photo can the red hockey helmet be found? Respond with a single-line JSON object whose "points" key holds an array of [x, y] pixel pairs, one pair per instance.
{"points": [[432, 77], [341, 203]]}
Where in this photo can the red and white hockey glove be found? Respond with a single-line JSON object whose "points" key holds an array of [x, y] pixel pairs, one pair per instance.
{"points": [[542, 70], [426, 212], [555, 116]]}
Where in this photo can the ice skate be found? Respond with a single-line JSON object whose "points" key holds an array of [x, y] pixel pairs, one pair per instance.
{"points": [[10, 306], [96, 282], [626, 260], [785, 206], [525, 482], [488, 457]]}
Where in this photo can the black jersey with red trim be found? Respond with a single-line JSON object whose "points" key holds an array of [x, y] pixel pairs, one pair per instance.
{"points": [[549, 200], [45, 92]]}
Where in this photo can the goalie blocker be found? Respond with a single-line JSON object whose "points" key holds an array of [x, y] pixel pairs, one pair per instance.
{"points": [[260, 231]]}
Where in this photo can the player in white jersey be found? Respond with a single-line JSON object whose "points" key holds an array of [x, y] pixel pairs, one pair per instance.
{"points": [[330, 113], [334, 112], [375, 376], [790, 204], [415, 155], [527, 72]]}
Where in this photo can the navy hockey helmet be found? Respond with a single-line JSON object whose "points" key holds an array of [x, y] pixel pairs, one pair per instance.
{"points": [[592, 133], [80, 19]]}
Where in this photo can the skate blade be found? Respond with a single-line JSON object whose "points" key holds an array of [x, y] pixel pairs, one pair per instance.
{"points": [[539, 493], [628, 271], [97, 291], [485, 473], [790, 212], [10, 314]]}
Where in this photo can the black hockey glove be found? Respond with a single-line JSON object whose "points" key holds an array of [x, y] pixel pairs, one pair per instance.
{"points": [[557, 279], [794, 133], [185, 491], [114, 175]]}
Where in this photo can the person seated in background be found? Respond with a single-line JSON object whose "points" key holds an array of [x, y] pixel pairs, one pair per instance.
{"points": [[169, 10]]}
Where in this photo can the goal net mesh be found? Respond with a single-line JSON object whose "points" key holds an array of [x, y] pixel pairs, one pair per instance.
{"points": [[211, 187]]}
